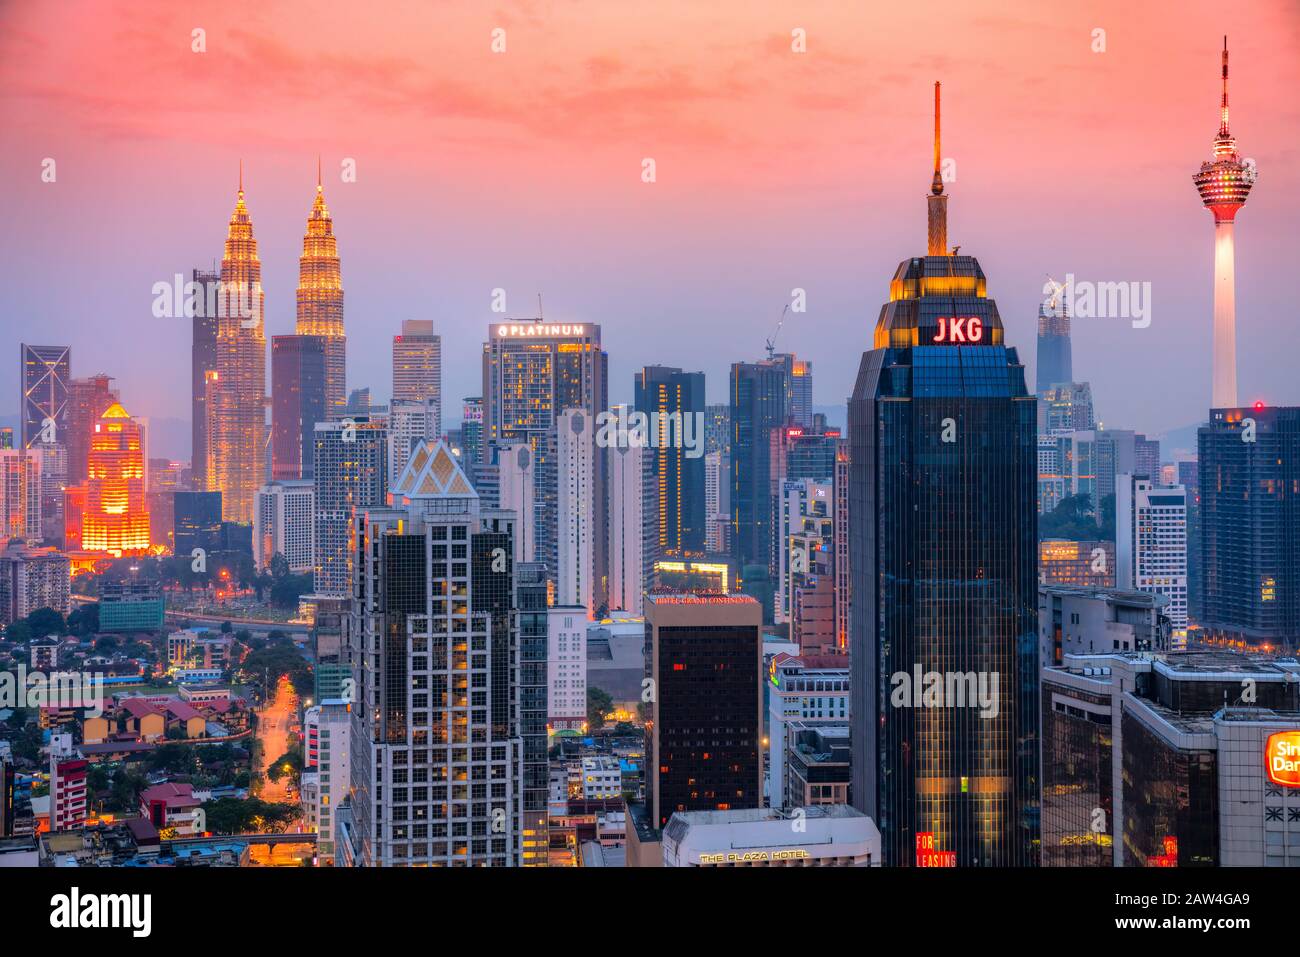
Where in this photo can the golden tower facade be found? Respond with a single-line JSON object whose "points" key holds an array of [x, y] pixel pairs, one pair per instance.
{"points": [[320, 298], [237, 387], [116, 514]]}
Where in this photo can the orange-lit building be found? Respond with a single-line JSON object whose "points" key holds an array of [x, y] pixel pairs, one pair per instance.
{"points": [[115, 517]]}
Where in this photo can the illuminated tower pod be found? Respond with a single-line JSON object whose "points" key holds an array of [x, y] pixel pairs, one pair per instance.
{"points": [[320, 298], [236, 396], [943, 561], [1224, 183], [116, 518]]}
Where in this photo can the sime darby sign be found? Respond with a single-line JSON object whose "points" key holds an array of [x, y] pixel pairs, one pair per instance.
{"points": [[963, 329], [1282, 758]]}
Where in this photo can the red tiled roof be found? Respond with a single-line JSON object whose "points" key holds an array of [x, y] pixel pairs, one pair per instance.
{"points": [[171, 794]]}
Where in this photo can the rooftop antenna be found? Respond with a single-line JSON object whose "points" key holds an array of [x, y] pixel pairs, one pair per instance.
{"points": [[937, 202], [541, 314]]}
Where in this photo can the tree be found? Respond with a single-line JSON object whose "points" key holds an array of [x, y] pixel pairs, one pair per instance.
{"points": [[46, 621], [227, 627], [279, 566], [599, 704], [18, 631], [84, 620], [128, 782]]}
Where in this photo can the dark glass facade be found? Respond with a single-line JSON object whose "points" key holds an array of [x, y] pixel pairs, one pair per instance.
{"points": [[1249, 528], [1171, 801], [943, 552], [1078, 786], [531, 591], [297, 403], [759, 403], [1055, 364], [678, 477], [196, 518]]}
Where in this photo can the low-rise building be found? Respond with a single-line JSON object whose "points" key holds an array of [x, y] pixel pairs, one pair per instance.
{"points": [[825, 836]]}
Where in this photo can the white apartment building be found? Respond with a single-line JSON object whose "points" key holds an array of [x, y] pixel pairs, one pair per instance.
{"points": [[566, 667], [807, 688], [632, 527], [1151, 542], [575, 460], [326, 732], [283, 522], [602, 779]]}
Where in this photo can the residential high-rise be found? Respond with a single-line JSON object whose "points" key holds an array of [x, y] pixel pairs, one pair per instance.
{"points": [[437, 752], [417, 363], [633, 542], [43, 380], [1224, 183], [284, 524], [32, 578], [1066, 407], [320, 298], [704, 655], [299, 399], [87, 401], [327, 733], [843, 573], [566, 668], [943, 548], [674, 400], [1248, 469], [517, 492], [717, 427], [409, 424], [717, 469], [759, 403], [471, 430], [805, 563], [1151, 542], [236, 395], [69, 782], [20, 494], [203, 365], [532, 371], [805, 690], [116, 515], [576, 582], [351, 473]]}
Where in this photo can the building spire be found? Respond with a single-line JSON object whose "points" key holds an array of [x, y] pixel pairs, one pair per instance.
{"points": [[1223, 119], [937, 202], [241, 178], [319, 186]]}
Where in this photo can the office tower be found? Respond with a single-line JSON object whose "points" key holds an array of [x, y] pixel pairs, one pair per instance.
{"points": [[1066, 407], [717, 428], [674, 400], [1051, 481], [633, 538], [327, 734], [533, 371], [197, 517], [437, 755], [1151, 542], [360, 403], [576, 452], [1248, 470], [1055, 366], [716, 486], [409, 424], [116, 516], [531, 593], [320, 298], [53, 458], [1087, 563], [843, 575], [801, 397], [87, 401], [417, 363], [131, 606], [471, 430], [283, 524], [20, 493], [566, 668], [44, 372], [1146, 458], [759, 403], [68, 784], [943, 548], [517, 492], [32, 578], [236, 396], [803, 452], [299, 399], [1145, 766], [203, 366], [704, 655], [1224, 183], [351, 473], [807, 690]]}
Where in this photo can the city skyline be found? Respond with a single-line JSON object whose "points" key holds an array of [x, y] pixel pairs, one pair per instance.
{"points": [[770, 182]]}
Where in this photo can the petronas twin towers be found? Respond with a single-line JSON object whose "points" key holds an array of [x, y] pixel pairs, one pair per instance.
{"points": [[236, 386]]}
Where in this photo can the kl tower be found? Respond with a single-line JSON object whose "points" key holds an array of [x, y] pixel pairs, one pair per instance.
{"points": [[1224, 183]]}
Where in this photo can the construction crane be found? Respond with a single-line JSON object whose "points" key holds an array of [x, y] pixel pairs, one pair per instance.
{"points": [[771, 343], [1054, 300]]}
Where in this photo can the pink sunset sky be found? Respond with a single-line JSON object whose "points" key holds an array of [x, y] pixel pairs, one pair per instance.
{"points": [[522, 170]]}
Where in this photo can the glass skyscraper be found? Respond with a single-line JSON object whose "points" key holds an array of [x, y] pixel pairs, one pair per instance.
{"points": [[943, 552], [679, 478]]}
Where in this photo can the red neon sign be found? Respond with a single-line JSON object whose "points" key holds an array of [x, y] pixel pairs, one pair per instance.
{"points": [[927, 856], [1282, 758], [960, 329]]}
